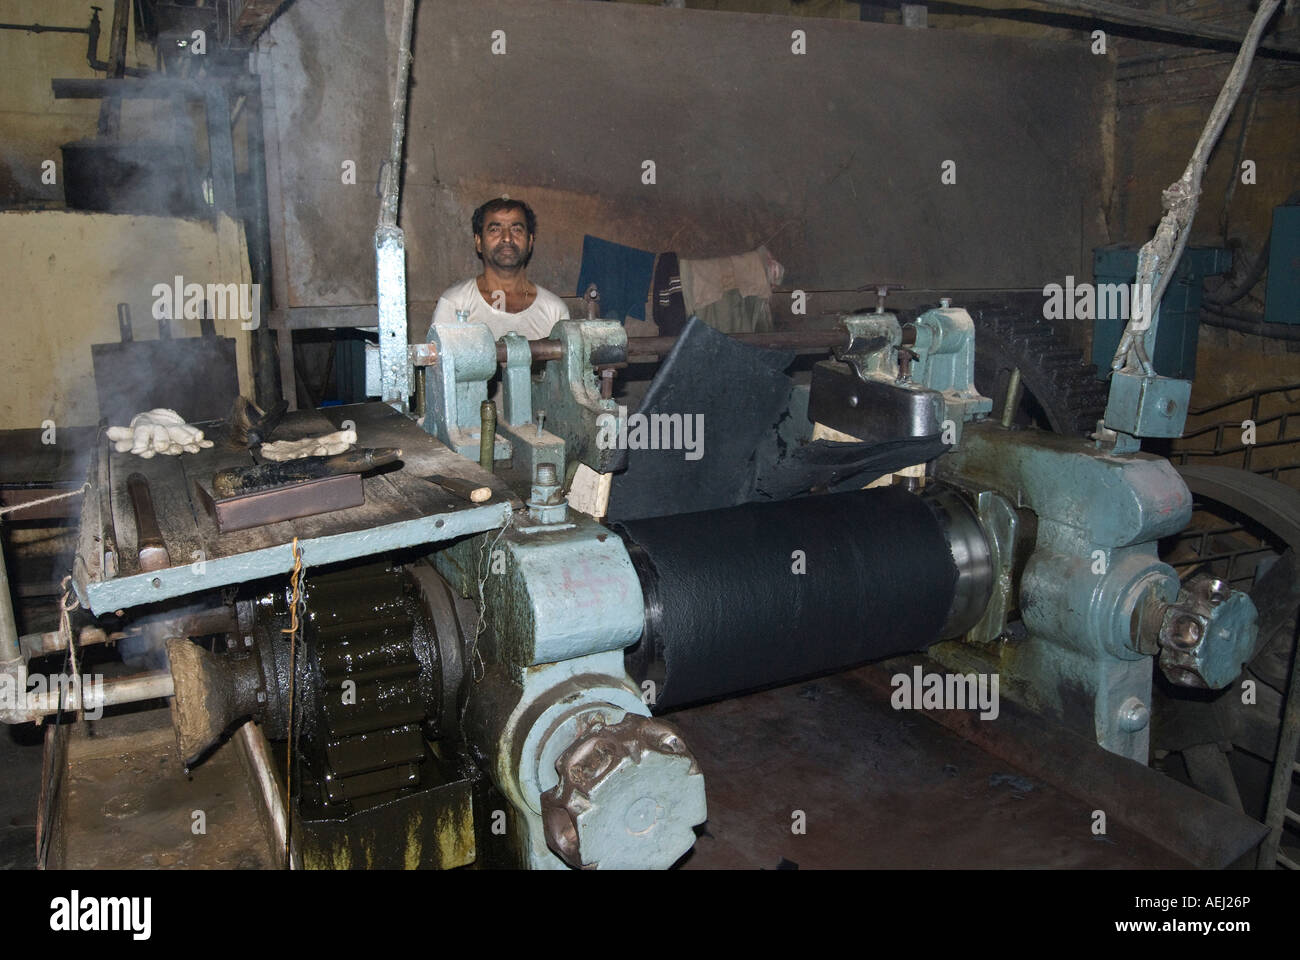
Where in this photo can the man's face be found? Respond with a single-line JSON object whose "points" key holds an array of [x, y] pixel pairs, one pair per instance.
{"points": [[504, 242]]}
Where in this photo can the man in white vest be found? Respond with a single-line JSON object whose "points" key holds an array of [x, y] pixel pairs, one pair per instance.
{"points": [[502, 295]]}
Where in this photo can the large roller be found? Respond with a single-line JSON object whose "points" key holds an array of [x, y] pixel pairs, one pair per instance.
{"points": [[760, 594]]}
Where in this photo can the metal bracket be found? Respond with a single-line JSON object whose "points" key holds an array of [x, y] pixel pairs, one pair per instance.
{"points": [[456, 385], [569, 390]]}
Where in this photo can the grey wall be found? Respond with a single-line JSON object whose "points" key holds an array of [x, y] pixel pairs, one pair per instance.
{"points": [[832, 158]]}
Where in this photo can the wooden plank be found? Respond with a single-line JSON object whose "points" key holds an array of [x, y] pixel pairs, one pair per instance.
{"points": [[88, 564], [29, 460], [379, 425], [171, 501]]}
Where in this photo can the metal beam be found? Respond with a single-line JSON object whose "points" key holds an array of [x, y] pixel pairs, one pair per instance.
{"points": [[1120, 13]]}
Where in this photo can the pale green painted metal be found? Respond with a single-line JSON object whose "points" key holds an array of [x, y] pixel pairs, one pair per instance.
{"points": [[551, 594], [531, 444], [456, 385], [1230, 637], [560, 605], [121, 593], [1094, 561], [570, 393], [1147, 406], [944, 365], [874, 339], [945, 349], [550, 694], [517, 381]]}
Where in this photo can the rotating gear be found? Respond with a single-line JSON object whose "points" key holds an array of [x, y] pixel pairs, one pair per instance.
{"points": [[1061, 391]]}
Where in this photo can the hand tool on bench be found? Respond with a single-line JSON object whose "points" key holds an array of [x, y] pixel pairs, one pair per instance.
{"points": [[465, 489], [250, 425], [238, 480], [150, 546]]}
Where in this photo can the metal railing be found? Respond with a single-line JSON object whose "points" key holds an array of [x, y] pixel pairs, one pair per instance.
{"points": [[1222, 449]]}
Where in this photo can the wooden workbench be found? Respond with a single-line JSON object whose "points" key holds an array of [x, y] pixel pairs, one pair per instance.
{"points": [[401, 510]]}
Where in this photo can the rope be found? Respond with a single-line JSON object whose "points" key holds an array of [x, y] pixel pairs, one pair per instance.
{"points": [[27, 505], [296, 579], [67, 604], [485, 553], [477, 670]]}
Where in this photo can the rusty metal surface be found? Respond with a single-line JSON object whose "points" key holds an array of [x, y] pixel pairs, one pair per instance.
{"points": [[879, 788], [288, 502], [842, 185]]}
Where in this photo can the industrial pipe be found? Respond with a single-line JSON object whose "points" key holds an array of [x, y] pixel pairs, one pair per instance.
{"points": [[116, 690]]}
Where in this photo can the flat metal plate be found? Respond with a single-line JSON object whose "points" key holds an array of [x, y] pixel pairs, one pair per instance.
{"points": [[882, 788], [201, 380], [289, 502]]}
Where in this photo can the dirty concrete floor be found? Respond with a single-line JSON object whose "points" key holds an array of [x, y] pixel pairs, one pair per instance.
{"points": [[878, 788]]}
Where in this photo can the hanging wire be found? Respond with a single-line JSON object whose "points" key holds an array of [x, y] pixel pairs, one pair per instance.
{"points": [[297, 613]]}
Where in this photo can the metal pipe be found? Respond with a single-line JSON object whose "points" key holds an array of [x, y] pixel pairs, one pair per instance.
{"points": [[266, 380], [1014, 389], [1246, 322], [487, 438], [543, 350], [392, 186], [38, 28], [43, 644], [1123, 14], [151, 685]]}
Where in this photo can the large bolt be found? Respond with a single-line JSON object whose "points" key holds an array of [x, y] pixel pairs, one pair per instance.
{"points": [[1133, 715], [546, 473]]}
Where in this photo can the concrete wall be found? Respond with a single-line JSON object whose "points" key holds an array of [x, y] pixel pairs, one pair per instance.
{"points": [[32, 123], [65, 272], [832, 158]]}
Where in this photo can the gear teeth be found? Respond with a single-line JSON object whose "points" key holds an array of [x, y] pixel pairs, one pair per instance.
{"points": [[1055, 373]]}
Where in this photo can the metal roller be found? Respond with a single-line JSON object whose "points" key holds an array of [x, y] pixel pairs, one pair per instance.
{"points": [[760, 594]]}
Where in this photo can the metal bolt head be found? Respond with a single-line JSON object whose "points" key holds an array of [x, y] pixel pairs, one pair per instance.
{"points": [[1208, 633], [1133, 715], [945, 302]]}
